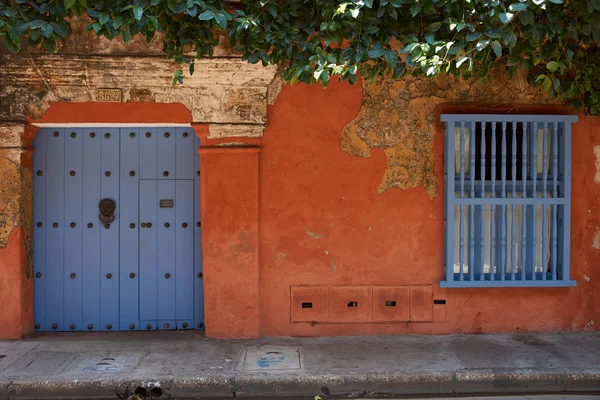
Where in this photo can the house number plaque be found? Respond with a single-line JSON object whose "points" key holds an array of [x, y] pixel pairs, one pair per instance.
{"points": [[166, 203], [109, 95]]}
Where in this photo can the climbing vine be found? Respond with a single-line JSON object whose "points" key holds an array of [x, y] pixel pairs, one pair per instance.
{"points": [[554, 42]]}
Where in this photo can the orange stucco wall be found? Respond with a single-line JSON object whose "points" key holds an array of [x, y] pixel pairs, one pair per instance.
{"points": [[16, 291], [322, 222], [293, 211]]}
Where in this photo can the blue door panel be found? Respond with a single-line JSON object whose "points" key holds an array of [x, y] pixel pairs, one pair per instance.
{"points": [[186, 153], [39, 230], [129, 228], [109, 234], [73, 229], [148, 153], [55, 192], [184, 262], [166, 153], [198, 276], [166, 229], [143, 271], [148, 250], [90, 276]]}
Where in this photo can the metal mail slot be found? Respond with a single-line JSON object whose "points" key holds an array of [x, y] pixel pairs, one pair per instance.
{"points": [[166, 203]]}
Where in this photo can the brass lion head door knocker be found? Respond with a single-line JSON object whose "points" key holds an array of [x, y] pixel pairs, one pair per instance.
{"points": [[107, 209]]}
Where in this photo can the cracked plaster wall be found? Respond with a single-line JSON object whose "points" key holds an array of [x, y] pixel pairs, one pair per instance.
{"points": [[399, 118]]}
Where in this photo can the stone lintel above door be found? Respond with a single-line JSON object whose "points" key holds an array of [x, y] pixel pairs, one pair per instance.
{"points": [[228, 94]]}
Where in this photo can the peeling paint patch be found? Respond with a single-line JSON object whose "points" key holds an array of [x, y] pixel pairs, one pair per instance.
{"points": [[399, 118], [597, 154], [596, 239]]}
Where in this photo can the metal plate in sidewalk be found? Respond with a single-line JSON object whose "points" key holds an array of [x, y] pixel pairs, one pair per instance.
{"points": [[98, 363], [269, 358]]}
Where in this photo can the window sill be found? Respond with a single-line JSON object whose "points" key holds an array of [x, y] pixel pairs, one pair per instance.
{"points": [[506, 283]]}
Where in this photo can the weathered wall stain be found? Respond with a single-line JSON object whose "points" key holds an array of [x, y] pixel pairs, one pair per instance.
{"points": [[15, 201], [313, 234], [399, 118], [10, 187], [596, 239], [597, 154], [245, 243]]}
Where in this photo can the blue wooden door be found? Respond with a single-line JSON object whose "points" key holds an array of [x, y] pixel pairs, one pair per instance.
{"points": [[143, 269]]}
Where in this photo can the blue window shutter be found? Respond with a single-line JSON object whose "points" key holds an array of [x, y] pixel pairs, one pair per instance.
{"points": [[507, 200]]}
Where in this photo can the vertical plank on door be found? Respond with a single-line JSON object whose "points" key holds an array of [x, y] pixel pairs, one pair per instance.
{"points": [[165, 230], [148, 253], [166, 139], [55, 189], [109, 237], [90, 274], [129, 228], [186, 153], [73, 227], [39, 229], [198, 277], [184, 262], [148, 153]]}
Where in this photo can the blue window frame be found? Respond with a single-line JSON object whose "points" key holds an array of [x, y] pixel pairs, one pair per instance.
{"points": [[507, 200]]}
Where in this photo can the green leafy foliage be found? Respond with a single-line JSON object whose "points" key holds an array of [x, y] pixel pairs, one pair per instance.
{"points": [[554, 42]]}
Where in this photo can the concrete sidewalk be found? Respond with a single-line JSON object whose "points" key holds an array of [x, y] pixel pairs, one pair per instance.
{"points": [[187, 365]]}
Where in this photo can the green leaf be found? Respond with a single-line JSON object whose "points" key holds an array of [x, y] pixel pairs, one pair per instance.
{"points": [[138, 12], [14, 36], [69, 4], [517, 7], [506, 17], [117, 22], [47, 30], [547, 84], [434, 27], [414, 9], [49, 45], [482, 44], [552, 66], [526, 17], [497, 47], [473, 36], [492, 33], [104, 17], [206, 15], [38, 23], [13, 47], [509, 38], [177, 77], [59, 29]]}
